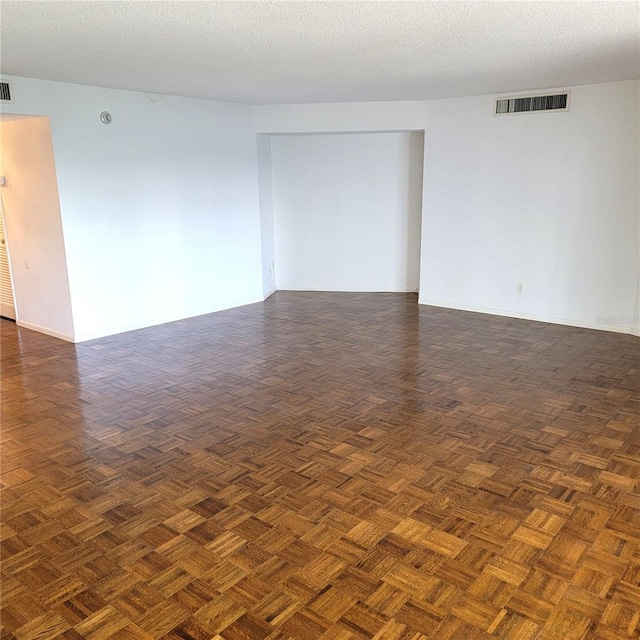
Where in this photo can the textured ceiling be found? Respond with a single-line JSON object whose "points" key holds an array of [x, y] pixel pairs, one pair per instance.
{"points": [[331, 51]]}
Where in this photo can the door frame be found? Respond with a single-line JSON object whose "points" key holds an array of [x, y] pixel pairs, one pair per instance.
{"points": [[6, 312]]}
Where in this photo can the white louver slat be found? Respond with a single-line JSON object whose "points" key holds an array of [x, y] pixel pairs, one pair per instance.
{"points": [[7, 305]]}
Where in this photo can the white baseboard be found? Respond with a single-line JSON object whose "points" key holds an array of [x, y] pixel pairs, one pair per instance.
{"points": [[346, 290], [103, 333], [268, 295], [45, 330], [569, 322], [424, 301]]}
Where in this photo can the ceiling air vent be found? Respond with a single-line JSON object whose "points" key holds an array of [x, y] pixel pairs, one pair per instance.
{"points": [[6, 95], [527, 104]]}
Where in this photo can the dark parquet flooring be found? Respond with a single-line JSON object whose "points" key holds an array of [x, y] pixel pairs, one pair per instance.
{"points": [[322, 466]]}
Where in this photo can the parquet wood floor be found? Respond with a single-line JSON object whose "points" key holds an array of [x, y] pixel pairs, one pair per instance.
{"points": [[322, 466]]}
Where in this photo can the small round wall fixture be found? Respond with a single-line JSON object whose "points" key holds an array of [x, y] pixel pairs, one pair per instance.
{"points": [[105, 117]]}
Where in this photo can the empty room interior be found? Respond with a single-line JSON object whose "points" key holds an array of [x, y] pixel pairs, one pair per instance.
{"points": [[320, 320]]}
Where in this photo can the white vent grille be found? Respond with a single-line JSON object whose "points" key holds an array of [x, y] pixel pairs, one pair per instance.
{"points": [[527, 104], [6, 91]]}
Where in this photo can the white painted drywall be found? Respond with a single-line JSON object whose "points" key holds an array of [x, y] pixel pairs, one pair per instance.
{"points": [[550, 200], [159, 209], [546, 199], [34, 228], [343, 117], [347, 211], [161, 218], [266, 215], [635, 321]]}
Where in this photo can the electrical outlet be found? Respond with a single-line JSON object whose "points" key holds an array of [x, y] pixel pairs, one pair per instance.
{"points": [[519, 287]]}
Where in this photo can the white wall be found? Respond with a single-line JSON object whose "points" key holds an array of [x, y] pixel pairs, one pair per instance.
{"points": [[550, 200], [341, 117], [266, 215], [33, 227], [635, 326], [159, 209], [347, 210], [547, 199], [161, 217]]}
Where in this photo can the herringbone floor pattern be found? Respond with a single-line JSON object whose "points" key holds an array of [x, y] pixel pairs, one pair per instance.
{"points": [[322, 466]]}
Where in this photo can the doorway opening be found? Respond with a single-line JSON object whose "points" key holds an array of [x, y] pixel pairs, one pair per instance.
{"points": [[35, 276], [7, 301]]}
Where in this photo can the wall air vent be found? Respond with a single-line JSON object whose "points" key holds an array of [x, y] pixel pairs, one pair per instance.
{"points": [[6, 93], [528, 104]]}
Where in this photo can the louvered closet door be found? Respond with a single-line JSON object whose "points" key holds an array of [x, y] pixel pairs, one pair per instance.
{"points": [[7, 306]]}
